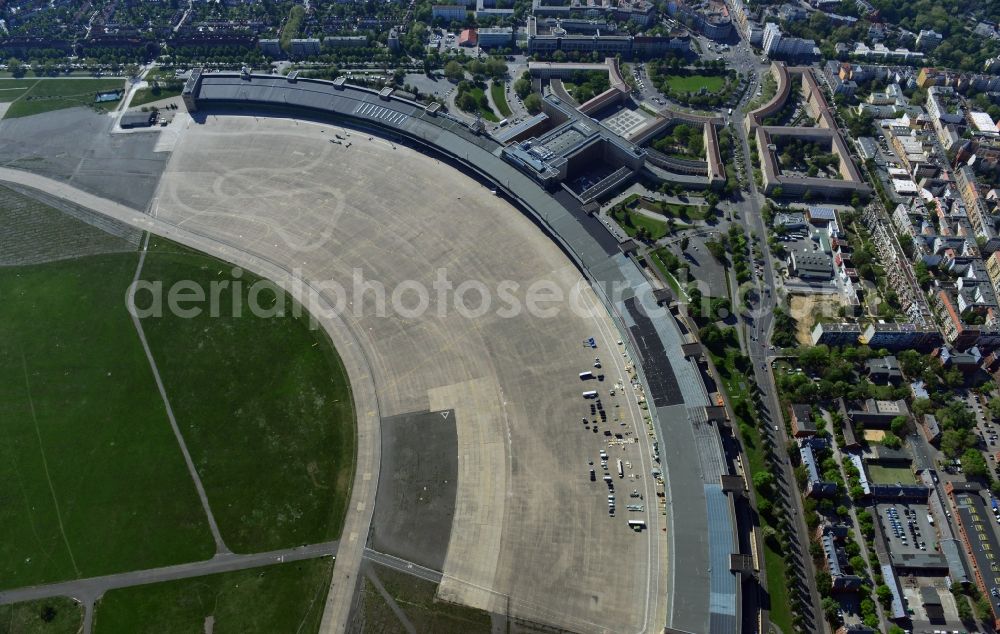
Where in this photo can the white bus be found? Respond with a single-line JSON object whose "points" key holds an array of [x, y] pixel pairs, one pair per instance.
{"points": [[590, 394], [621, 470], [637, 525], [586, 376]]}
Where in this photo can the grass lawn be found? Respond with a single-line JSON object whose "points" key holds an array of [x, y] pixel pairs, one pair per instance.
{"points": [[656, 256], [91, 476], [693, 83], [881, 474], [415, 597], [148, 95], [500, 98], [675, 210], [280, 598], [630, 221], [54, 94], [264, 404], [60, 615], [92, 479], [484, 110], [11, 89]]}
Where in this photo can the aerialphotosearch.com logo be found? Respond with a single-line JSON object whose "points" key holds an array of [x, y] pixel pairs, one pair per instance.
{"points": [[364, 298]]}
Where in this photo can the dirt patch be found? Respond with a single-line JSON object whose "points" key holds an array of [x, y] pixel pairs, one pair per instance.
{"points": [[808, 310], [874, 435]]}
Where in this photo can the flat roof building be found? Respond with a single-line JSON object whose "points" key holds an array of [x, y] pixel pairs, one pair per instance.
{"points": [[974, 521], [137, 120], [811, 265]]}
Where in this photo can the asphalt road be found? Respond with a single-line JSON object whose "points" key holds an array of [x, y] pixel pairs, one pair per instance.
{"points": [[760, 328]]}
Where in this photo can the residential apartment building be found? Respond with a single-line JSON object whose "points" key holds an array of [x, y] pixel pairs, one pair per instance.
{"points": [[777, 45], [900, 336], [830, 334], [449, 12]]}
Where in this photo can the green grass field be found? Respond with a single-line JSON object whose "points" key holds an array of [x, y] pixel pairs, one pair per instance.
{"points": [[500, 99], [91, 476], [675, 210], [12, 89], [265, 406], [656, 258], [60, 615], [483, 109], [149, 95], [416, 598], [693, 83], [630, 221], [281, 598], [46, 94], [881, 474]]}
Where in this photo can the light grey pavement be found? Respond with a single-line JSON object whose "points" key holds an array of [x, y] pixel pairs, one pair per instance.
{"points": [[92, 588], [274, 186]]}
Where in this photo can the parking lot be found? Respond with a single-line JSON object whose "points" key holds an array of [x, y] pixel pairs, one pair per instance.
{"points": [[906, 528], [615, 459]]}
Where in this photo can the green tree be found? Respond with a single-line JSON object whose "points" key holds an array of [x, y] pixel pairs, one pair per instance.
{"points": [[763, 482], [994, 407], [952, 442], [974, 465], [898, 425], [533, 103], [884, 595], [16, 67], [454, 71], [857, 564], [523, 86], [892, 441], [831, 610]]}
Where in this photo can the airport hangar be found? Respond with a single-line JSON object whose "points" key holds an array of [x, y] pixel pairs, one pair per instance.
{"points": [[706, 582]]}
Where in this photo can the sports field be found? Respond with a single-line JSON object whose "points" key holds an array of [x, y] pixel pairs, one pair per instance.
{"points": [[46, 94], [281, 598], [881, 474], [91, 475]]}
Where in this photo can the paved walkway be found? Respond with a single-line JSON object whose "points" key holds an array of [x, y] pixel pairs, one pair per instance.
{"points": [[358, 519], [92, 588]]}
